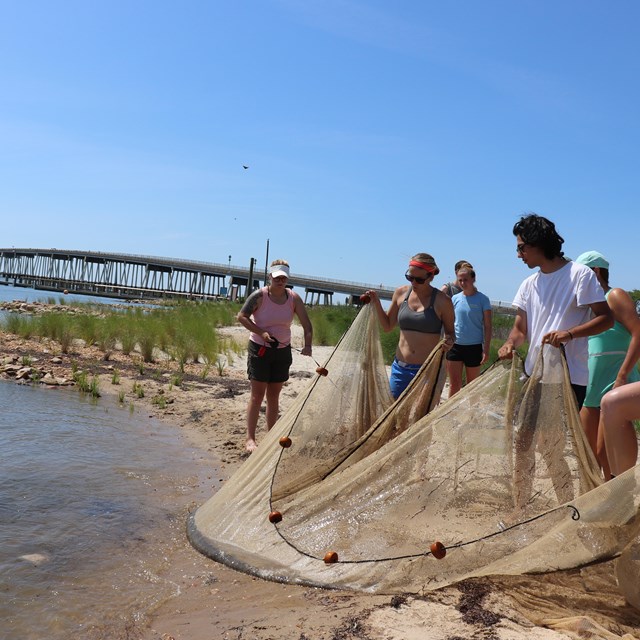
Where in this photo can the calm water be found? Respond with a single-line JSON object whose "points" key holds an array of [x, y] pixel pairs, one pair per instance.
{"points": [[8, 293], [92, 503]]}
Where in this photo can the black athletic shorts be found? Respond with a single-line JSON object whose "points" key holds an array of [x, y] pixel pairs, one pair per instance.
{"points": [[580, 393], [272, 366], [469, 354]]}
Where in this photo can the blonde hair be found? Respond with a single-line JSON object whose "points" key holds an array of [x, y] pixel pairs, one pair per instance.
{"points": [[465, 267], [427, 258], [281, 262]]}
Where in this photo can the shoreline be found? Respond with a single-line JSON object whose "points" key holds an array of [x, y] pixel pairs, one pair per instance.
{"points": [[215, 601]]}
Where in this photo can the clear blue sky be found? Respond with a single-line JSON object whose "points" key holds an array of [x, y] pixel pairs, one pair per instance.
{"points": [[372, 131]]}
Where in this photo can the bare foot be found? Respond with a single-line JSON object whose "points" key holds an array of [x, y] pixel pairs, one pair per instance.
{"points": [[250, 446]]}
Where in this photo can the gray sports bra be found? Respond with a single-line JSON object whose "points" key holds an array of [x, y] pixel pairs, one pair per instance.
{"points": [[426, 321]]}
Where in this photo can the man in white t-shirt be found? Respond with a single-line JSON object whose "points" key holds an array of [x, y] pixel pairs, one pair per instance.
{"points": [[562, 303]]}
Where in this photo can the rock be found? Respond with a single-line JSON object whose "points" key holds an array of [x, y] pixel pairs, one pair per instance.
{"points": [[36, 559]]}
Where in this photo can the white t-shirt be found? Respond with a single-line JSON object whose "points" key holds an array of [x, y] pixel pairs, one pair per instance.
{"points": [[559, 301]]}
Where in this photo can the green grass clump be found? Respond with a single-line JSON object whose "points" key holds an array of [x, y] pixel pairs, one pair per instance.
{"points": [[330, 323], [186, 331]]}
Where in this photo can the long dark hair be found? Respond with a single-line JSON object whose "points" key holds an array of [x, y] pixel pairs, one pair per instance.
{"points": [[537, 231]]}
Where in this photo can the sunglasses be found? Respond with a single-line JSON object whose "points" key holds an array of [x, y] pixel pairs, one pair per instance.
{"points": [[520, 248], [415, 279]]}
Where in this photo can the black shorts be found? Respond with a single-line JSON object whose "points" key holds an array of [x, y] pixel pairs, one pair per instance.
{"points": [[580, 393], [272, 366], [469, 354]]}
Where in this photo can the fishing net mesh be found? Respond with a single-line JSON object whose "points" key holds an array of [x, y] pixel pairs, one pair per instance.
{"points": [[499, 479]]}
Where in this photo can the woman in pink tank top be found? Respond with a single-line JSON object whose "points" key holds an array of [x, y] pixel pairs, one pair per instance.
{"points": [[268, 314]]}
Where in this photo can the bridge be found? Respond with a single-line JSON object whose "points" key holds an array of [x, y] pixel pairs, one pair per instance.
{"points": [[121, 275]]}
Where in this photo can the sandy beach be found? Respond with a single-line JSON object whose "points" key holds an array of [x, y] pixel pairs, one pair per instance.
{"points": [[217, 602]]}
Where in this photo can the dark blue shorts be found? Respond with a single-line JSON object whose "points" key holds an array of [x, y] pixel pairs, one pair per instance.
{"points": [[272, 366]]}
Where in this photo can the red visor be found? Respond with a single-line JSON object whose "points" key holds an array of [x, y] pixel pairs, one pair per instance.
{"points": [[429, 268]]}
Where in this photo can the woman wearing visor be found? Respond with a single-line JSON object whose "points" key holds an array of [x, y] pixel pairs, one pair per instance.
{"points": [[422, 312], [268, 314]]}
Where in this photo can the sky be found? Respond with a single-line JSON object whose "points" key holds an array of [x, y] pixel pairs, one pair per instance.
{"points": [[372, 130]]}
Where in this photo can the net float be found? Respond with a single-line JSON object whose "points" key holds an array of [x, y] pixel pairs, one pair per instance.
{"points": [[275, 517], [285, 442], [365, 299], [438, 550], [330, 557], [322, 371]]}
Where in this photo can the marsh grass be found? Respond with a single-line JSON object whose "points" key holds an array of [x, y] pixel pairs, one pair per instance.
{"points": [[94, 387], [185, 331], [81, 380], [86, 385], [330, 323], [159, 401]]}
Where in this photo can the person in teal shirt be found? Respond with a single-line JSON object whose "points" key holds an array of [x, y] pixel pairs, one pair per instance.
{"points": [[472, 328], [613, 355]]}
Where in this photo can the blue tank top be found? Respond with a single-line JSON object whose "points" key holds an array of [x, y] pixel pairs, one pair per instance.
{"points": [[426, 321]]}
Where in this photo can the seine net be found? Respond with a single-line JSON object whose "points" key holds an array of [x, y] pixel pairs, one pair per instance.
{"points": [[353, 491]]}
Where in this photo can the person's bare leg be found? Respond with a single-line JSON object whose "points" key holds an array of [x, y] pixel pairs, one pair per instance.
{"points": [[590, 418], [273, 402], [619, 407], [601, 453], [472, 373], [454, 369], [253, 411]]}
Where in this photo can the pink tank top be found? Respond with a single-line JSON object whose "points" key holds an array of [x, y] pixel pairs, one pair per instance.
{"points": [[274, 318]]}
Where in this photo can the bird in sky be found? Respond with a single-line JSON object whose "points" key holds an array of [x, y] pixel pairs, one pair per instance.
{"points": [[244, 166]]}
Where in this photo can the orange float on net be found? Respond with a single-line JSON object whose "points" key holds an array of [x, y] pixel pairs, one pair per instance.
{"points": [[365, 299], [330, 557], [275, 517], [322, 371], [438, 550], [285, 442]]}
